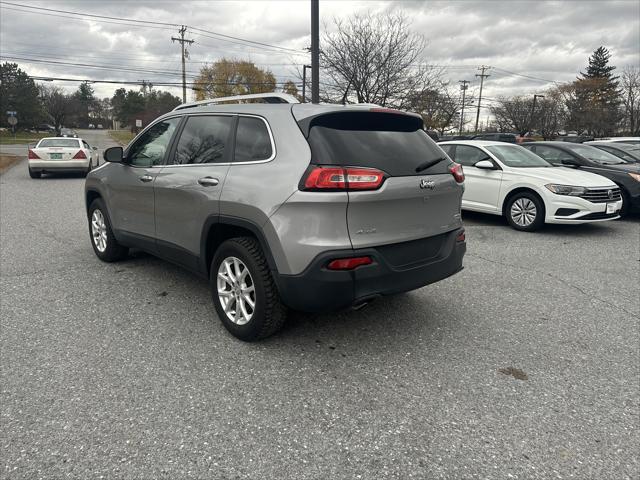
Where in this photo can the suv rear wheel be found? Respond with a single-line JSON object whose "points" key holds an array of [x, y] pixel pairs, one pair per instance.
{"points": [[244, 292], [104, 244]]}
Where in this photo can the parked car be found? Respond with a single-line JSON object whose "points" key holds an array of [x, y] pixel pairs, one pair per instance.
{"points": [[448, 138], [630, 140], [574, 138], [45, 127], [592, 159], [67, 132], [509, 180], [498, 137], [57, 154], [311, 207], [626, 151]]}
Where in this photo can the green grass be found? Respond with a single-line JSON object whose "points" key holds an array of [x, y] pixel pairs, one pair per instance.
{"points": [[123, 137], [6, 138]]}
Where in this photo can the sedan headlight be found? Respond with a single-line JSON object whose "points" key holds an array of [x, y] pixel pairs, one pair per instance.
{"points": [[566, 190], [635, 176]]}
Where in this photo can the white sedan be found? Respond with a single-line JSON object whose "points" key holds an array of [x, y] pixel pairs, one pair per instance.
{"points": [[61, 154], [509, 180]]}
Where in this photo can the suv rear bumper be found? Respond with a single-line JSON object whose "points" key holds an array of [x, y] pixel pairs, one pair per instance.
{"points": [[319, 289]]}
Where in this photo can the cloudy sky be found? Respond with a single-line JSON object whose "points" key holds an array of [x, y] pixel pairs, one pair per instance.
{"points": [[528, 44]]}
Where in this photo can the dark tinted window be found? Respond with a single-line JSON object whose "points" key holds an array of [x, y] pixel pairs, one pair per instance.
{"points": [[390, 142], [252, 140], [595, 154], [204, 139], [152, 145], [469, 156], [448, 149], [551, 154]]}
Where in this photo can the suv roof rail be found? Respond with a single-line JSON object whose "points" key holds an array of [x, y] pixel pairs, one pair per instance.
{"points": [[273, 97]]}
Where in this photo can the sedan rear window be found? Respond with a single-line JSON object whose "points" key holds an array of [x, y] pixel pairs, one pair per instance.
{"points": [[393, 143], [59, 142]]}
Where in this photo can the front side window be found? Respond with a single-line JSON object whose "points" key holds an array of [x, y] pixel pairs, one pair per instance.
{"points": [[151, 148], [204, 139], [468, 156], [517, 157], [253, 142], [595, 154]]}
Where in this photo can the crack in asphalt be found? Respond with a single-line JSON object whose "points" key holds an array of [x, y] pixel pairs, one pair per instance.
{"points": [[561, 280]]}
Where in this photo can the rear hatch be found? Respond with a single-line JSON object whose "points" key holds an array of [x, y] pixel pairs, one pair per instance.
{"points": [[57, 148], [410, 203]]}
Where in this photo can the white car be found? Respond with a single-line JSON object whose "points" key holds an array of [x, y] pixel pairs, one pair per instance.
{"points": [[509, 180], [630, 140], [61, 154]]}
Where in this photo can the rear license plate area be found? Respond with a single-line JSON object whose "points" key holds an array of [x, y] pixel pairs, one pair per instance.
{"points": [[55, 156]]}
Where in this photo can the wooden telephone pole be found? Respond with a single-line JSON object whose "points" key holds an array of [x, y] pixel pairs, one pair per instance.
{"points": [[182, 41], [482, 77]]}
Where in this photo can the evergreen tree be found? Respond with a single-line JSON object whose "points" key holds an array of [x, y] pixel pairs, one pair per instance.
{"points": [[19, 93]]}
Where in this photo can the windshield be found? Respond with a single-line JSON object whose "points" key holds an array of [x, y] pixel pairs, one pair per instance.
{"points": [[595, 154], [517, 157], [58, 142]]}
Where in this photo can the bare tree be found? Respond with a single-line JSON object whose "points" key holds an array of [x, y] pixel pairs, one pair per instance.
{"points": [[630, 86], [550, 115], [439, 107], [513, 114], [57, 104], [375, 58]]}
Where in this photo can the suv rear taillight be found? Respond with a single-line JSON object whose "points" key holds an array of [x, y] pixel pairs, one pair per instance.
{"points": [[32, 155], [457, 172], [80, 156], [349, 263], [338, 178]]}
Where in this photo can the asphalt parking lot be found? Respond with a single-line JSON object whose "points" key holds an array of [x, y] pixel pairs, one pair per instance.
{"points": [[524, 365]]}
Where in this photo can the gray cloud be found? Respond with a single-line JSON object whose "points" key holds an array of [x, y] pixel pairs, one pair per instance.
{"points": [[547, 40]]}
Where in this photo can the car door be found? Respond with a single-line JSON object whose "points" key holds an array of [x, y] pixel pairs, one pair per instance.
{"points": [[482, 186], [132, 183], [187, 189]]}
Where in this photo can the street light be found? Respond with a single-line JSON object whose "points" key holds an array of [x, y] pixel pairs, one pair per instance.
{"points": [[533, 108], [304, 82]]}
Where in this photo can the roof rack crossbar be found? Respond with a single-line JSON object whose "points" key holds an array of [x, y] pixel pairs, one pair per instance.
{"points": [[273, 97]]}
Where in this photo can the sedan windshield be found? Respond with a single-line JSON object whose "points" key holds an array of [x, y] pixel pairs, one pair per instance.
{"points": [[594, 154], [58, 142], [517, 157]]}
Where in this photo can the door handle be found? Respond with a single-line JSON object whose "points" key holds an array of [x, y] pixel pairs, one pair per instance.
{"points": [[208, 181], [146, 178]]}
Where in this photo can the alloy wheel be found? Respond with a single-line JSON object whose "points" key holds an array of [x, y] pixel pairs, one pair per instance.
{"points": [[99, 231], [524, 212], [236, 290]]}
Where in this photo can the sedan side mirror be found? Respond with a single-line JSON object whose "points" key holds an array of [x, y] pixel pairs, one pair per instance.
{"points": [[113, 154], [485, 165]]}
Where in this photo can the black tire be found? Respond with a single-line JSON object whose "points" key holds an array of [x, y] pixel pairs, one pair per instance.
{"points": [[113, 251], [33, 174], [626, 203], [269, 314], [89, 168], [538, 221]]}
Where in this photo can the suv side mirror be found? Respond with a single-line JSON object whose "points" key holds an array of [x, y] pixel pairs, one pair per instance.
{"points": [[570, 161], [485, 165], [113, 154]]}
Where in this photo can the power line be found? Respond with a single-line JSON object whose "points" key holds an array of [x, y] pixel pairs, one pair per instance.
{"points": [[182, 41]]}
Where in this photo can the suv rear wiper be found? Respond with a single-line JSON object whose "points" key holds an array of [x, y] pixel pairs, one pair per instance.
{"points": [[429, 163]]}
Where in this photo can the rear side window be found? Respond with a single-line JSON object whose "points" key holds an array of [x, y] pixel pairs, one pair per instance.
{"points": [[204, 139], [253, 142], [58, 142], [393, 143]]}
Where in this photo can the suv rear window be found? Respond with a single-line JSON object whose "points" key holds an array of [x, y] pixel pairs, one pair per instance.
{"points": [[393, 143], [58, 142]]}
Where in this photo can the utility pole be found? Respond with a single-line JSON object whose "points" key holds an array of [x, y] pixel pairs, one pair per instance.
{"points": [[463, 87], [315, 51], [184, 76], [304, 82], [533, 110], [146, 84], [482, 77]]}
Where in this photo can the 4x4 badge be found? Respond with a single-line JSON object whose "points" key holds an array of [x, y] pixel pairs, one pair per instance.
{"points": [[427, 184]]}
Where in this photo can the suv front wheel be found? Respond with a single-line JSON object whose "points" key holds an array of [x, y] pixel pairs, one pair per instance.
{"points": [[244, 292]]}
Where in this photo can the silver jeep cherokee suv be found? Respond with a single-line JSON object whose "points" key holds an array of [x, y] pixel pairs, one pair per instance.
{"points": [[283, 205]]}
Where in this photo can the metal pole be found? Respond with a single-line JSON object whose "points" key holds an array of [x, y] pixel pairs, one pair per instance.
{"points": [[315, 51], [533, 110], [304, 82]]}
